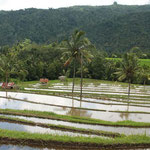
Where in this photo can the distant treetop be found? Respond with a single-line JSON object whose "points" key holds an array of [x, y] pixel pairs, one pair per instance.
{"points": [[115, 3]]}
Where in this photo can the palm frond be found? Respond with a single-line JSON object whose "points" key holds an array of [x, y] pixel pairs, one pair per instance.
{"points": [[68, 61]]}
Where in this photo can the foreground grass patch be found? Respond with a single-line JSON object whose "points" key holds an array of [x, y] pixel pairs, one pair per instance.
{"points": [[76, 119], [47, 139], [59, 127]]}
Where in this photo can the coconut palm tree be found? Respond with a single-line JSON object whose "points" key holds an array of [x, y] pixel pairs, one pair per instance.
{"points": [[76, 51], [9, 65], [85, 56], [129, 67], [144, 74], [6, 68]]}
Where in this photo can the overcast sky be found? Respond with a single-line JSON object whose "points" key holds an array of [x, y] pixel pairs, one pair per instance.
{"points": [[21, 4]]}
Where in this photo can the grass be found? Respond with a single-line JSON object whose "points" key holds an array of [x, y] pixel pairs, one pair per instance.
{"points": [[29, 84], [59, 127], [81, 108], [145, 62], [125, 102], [117, 96], [142, 61], [132, 139], [86, 95], [38, 136], [76, 119]]}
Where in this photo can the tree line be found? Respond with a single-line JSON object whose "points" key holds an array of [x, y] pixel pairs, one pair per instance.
{"points": [[74, 57]]}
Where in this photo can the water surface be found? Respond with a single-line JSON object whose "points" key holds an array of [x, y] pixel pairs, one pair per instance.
{"points": [[37, 129], [13, 104], [121, 130]]}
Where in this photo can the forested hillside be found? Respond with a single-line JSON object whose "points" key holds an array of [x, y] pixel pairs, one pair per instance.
{"points": [[114, 28]]}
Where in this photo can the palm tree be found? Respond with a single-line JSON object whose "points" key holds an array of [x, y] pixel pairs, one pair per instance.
{"points": [[76, 48], [129, 67], [85, 72], [6, 68], [9, 65], [144, 74], [85, 55]]}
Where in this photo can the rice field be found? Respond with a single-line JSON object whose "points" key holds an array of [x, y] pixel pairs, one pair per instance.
{"points": [[105, 109], [142, 61]]}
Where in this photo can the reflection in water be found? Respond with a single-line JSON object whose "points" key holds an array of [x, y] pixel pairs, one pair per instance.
{"points": [[79, 112], [107, 87], [66, 102], [14, 104], [124, 130], [19, 147], [36, 129], [14, 147], [139, 149], [93, 92], [125, 115]]}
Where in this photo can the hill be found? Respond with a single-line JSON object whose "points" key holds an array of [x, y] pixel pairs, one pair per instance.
{"points": [[114, 28]]}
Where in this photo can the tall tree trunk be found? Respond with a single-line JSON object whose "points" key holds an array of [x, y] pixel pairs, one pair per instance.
{"points": [[73, 82], [81, 83], [144, 84], [6, 81], [129, 86]]}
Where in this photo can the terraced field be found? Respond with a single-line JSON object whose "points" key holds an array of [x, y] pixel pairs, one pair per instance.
{"points": [[104, 114], [142, 61]]}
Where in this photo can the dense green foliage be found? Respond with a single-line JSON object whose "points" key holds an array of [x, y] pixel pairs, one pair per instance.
{"points": [[114, 28], [142, 62], [77, 51], [129, 67], [35, 61]]}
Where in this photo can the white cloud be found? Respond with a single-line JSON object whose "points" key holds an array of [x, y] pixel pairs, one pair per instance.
{"points": [[21, 4], [133, 2]]}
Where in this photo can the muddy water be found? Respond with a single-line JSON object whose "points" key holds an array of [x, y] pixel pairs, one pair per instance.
{"points": [[17, 147], [12, 104], [139, 149], [114, 101], [106, 87], [36, 129], [92, 92], [54, 100], [40, 98], [121, 130]]}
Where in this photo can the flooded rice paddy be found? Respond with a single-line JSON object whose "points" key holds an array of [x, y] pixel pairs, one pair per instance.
{"points": [[92, 107], [104, 115], [17, 147], [99, 88], [121, 130], [37, 129]]}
